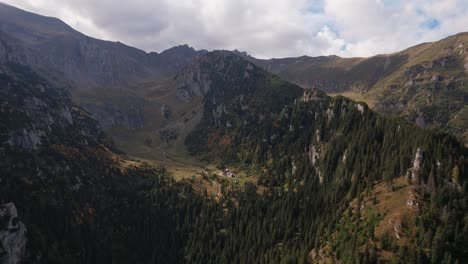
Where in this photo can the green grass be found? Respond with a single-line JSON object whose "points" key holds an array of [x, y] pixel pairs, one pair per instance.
{"points": [[359, 97]]}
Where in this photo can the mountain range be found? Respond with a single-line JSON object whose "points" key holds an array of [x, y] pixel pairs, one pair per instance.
{"points": [[425, 84], [111, 154]]}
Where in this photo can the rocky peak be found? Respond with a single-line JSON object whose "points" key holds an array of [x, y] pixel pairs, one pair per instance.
{"points": [[180, 51], [195, 79], [241, 53]]}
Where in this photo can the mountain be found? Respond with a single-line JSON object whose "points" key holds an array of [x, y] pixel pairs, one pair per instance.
{"points": [[425, 84], [315, 157], [51, 46], [103, 76], [312, 157], [66, 196], [236, 85], [255, 169]]}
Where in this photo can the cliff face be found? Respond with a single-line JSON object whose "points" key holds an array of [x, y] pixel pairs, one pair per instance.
{"points": [[87, 66], [38, 119], [12, 235], [430, 89], [49, 45], [128, 114], [235, 94], [425, 84], [32, 110], [76, 198]]}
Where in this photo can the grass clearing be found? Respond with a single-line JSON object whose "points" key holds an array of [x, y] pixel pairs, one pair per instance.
{"points": [[359, 97]]}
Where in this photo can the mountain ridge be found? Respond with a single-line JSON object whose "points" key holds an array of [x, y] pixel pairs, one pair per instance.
{"points": [[314, 155], [282, 172], [383, 81], [65, 52], [394, 84]]}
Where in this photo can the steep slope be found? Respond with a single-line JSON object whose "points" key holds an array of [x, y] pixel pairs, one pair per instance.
{"points": [[332, 73], [235, 87], [399, 222], [430, 88], [171, 110], [50, 45], [66, 197], [109, 79], [33, 110], [425, 84], [314, 155], [319, 160], [82, 203]]}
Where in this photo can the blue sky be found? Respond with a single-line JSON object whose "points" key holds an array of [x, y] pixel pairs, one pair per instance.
{"points": [[263, 28]]}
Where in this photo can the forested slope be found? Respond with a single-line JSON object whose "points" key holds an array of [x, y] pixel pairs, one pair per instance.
{"points": [[78, 200], [319, 159], [316, 154]]}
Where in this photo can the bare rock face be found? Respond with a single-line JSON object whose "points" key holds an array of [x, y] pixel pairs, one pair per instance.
{"points": [[313, 155], [38, 106], [360, 108], [12, 235], [397, 229], [412, 202], [166, 111], [34, 112], [416, 166], [196, 79], [293, 169], [313, 94], [51, 46], [129, 115], [28, 139], [195, 83], [2, 50], [465, 65]]}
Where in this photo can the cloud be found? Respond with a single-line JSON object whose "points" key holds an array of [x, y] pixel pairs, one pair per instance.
{"points": [[329, 42], [264, 28], [377, 26]]}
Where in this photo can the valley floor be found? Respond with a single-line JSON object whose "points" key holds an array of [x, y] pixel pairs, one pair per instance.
{"points": [[178, 162]]}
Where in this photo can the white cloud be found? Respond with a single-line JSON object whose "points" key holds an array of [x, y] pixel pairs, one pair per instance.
{"points": [[264, 28], [376, 26], [329, 42]]}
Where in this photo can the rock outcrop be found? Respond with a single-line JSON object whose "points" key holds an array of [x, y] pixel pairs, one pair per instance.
{"points": [[416, 166], [313, 155], [85, 65], [33, 111], [12, 235]]}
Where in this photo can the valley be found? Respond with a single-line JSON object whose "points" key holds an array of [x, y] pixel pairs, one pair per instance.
{"points": [[111, 154]]}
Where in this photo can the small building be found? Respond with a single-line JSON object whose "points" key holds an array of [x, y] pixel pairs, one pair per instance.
{"points": [[229, 174]]}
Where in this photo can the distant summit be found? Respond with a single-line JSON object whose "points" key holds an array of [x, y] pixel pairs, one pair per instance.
{"points": [[49, 45]]}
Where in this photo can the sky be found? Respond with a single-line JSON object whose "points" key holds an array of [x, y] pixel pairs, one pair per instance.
{"points": [[263, 28]]}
